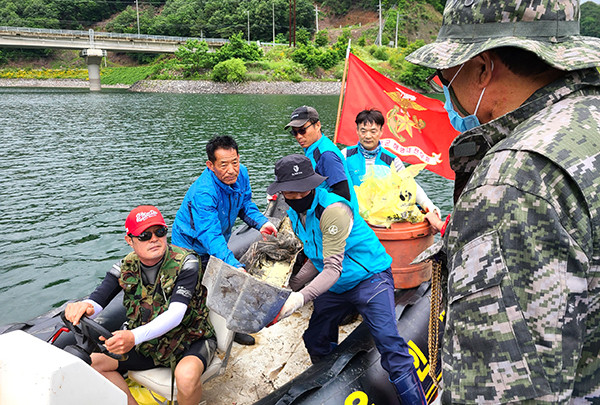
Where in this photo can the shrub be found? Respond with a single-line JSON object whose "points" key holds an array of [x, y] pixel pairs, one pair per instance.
{"points": [[380, 53], [322, 38], [302, 36], [328, 59], [281, 38], [414, 75], [230, 71], [402, 41], [306, 55], [237, 47], [312, 57]]}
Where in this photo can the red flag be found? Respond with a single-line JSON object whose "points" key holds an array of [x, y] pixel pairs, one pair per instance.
{"points": [[417, 127]]}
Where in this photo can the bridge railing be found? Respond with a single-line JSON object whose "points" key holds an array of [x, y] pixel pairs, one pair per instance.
{"points": [[102, 34], [92, 35]]}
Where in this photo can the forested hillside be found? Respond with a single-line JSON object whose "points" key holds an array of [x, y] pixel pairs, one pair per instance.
{"points": [[216, 18], [194, 18], [321, 37]]}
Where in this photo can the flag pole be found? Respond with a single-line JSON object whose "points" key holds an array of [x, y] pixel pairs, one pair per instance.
{"points": [[337, 120]]}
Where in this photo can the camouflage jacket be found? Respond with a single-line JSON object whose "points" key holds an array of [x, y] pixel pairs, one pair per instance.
{"points": [[523, 252], [146, 302]]}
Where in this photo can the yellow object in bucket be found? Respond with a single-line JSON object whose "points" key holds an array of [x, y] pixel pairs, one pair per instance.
{"points": [[386, 195], [143, 395]]}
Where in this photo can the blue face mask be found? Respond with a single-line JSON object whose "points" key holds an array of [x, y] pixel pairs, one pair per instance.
{"points": [[460, 123]]}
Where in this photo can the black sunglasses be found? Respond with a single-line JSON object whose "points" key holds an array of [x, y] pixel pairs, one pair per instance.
{"points": [[147, 235], [435, 85], [301, 130]]}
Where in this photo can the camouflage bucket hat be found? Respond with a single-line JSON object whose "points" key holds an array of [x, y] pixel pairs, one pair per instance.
{"points": [[548, 28]]}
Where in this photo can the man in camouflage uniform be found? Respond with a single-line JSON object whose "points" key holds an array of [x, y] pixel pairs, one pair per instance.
{"points": [[523, 242], [166, 309]]}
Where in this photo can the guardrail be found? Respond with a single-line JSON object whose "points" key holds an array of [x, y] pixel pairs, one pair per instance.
{"points": [[103, 34]]}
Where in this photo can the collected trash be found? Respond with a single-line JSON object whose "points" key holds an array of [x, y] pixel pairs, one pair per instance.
{"points": [[272, 260], [386, 195], [249, 300]]}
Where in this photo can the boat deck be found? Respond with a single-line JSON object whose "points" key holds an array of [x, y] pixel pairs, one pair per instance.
{"points": [[277, 357]]}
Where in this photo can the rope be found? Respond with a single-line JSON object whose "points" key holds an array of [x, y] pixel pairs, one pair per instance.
{"points": [[434, 321]]}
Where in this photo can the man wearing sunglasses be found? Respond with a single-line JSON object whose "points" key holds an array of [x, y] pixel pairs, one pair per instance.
{"points": [[325, 157], [522, 244], [166, 309], [211, 205]]}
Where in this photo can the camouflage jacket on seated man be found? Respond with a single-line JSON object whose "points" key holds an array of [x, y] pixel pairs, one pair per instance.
{"points": [[144, 302]]}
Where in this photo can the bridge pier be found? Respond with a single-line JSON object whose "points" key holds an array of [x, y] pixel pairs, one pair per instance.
{"points": [[93, 58]]}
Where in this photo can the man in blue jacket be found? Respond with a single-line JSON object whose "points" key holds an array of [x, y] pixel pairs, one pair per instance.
{"points": [[211, 205], [348, 270]]}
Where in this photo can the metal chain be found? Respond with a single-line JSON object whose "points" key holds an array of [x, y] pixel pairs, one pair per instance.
{"points": [[434, 315]]}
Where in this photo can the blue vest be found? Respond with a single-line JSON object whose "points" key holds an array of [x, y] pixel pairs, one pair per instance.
{"points": [[314, 152], [355, 161], [364, 255]]}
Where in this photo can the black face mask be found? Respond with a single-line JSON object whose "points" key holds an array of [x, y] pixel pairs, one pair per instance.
{"points": [[303, 204]]}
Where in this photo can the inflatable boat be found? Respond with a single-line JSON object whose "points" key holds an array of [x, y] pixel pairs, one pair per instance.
{"points": [[352, 374]]}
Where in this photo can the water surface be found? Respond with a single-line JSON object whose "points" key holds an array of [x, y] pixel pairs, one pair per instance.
{"points": [[74, 163]]}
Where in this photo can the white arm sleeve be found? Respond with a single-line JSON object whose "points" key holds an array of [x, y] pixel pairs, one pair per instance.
{"points": [[425, 202], [97, 308], [161, 324], [421, 198]]}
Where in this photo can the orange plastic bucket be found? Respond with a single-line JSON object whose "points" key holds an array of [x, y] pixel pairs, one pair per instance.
{"points": [[404, 241]]}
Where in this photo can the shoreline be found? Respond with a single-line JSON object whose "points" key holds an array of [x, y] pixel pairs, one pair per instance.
{"points": [[55, 83], [190, 86]]}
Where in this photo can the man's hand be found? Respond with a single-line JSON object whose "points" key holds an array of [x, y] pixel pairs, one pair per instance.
{"points": [[121, 342], [268, 229], [75, 310], [435, 221], [434, 209], [294, 302]]}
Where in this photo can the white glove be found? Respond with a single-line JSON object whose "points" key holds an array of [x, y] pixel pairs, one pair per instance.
{"points": [[294, 302]]}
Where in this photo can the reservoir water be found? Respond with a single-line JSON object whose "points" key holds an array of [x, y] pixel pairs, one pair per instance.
{"points": [[74, 163]]}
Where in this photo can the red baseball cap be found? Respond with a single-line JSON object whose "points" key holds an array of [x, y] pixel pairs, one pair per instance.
{"points": [[142, 218]]}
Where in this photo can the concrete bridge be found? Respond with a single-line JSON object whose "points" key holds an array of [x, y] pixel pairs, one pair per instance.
{"points": [[94, 45]]}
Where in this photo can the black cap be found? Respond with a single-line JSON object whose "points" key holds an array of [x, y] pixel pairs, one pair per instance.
{"points": [[294, 173], [302, 115]]}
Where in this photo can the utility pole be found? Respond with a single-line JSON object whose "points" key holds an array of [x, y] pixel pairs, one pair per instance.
{"points": [[273, 23], [397, 20], [317, 18], [137, 11], [248, 26], [380, 39]]}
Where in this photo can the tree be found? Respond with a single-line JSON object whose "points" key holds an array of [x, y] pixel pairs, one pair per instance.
{"points": [[237, 47], [590, 18], [194, 56]]}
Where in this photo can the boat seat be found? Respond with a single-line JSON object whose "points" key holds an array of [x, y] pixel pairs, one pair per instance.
{"points": [[158, 379]]}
